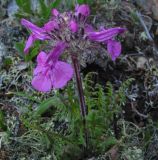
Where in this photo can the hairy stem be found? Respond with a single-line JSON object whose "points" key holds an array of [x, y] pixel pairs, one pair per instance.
{"points": [[79, 87], [83, 107]]}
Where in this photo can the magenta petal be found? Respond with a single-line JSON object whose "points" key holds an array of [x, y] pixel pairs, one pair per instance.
{"points": [[29, 43], [51, 25], [105, 34], [55, 12], [42, 83], [31, 26], [37, 70], [62, 73], [38, 32], [41, 58], [73, 26], [88, 28], [57, 51], [114, 49], [41, 63], [83, 10]]}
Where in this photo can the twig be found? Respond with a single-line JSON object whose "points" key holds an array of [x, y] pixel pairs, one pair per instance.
{"points": [[147, 32], [144, 26], [137, 112]]}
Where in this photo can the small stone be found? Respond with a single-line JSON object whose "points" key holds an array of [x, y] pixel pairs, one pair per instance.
{"points": [[22, 66], [141, 62]]}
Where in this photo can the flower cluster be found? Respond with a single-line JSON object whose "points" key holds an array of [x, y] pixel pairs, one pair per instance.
{"points": [[66, 30]]}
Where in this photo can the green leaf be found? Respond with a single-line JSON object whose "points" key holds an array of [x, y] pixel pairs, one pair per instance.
{"points": [[85, 1], [7, 62], [44, 10], [55, 4], [108, 143], [81, 1], [2, 121], [45, 140], [19, 46], [45, 105], [32, 54], [21, 14], [19, 3], [24, 5]]}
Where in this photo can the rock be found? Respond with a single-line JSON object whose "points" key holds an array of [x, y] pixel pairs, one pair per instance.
{"points": [[149, 6], [22, 66], [12, 8], [141, 62], [145, 5], [10, 32], [155, 10], [3, 2]]}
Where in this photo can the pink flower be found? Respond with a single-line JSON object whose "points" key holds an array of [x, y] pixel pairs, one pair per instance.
{"points": [[37, 34], [83, 10], [73, 26], [106, 36], [50, 72]]}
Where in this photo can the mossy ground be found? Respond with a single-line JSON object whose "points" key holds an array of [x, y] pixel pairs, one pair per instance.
{"points": [[137, 121]]}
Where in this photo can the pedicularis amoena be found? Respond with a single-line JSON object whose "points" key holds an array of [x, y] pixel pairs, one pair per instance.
{"points": [[67, 31]]}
